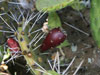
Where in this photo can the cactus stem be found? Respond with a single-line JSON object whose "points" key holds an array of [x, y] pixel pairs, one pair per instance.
{"points": [[28, 54], [24, 42]]}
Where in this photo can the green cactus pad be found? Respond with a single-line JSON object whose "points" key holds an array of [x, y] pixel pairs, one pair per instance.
{"points": [[54, 20], [95, 20], [52, 5], [65, 43]]}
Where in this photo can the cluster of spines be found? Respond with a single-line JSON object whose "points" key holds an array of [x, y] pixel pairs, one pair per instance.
{"points": [[23, 40]]}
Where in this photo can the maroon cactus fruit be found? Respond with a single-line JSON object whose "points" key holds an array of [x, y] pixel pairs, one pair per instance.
{"points": [[53, 39], [13, 45]]}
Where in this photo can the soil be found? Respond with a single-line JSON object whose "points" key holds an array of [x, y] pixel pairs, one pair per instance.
{"points": [[86, 48]]}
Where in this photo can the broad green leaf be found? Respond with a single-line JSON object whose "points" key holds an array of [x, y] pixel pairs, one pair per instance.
{"points": [[65, 43], [77, 5], [52, 5], [95, 20], [54, 20]]}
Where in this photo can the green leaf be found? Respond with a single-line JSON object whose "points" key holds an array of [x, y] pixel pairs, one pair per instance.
{"points": [[52, 5], [65, 43], [77, 5], [54, 20], [95, 20]]}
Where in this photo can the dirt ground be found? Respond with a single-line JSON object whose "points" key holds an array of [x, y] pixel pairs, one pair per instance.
{"points": [[82, 45]]}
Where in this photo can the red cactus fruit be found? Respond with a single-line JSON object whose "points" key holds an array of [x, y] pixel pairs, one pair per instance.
{"points": [[13, 45], [54, 38]]}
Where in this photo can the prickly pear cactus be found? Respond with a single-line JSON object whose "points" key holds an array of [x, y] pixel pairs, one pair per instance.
{"points": [[95, 23], [19, 24], [32, 57], [52, 5], [29, 43]]}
